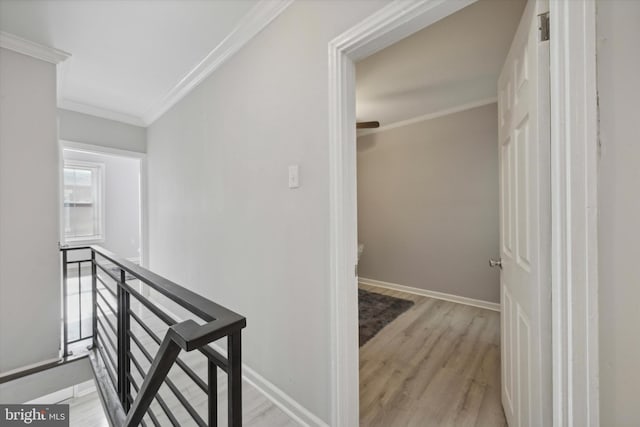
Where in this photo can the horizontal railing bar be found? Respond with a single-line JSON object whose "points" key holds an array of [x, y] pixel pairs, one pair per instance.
{"points": [[210, 353], [106, 318], [215, 328], [200, 306], [109, 356], [107, 272], [106, 286], [73, 248], [200, 335], [113, 346], [79, 261], [180, 363], [108, 367], [137, 389], [145, 327], [190, 409], [159, 398], [149, 305], [113, 310]]}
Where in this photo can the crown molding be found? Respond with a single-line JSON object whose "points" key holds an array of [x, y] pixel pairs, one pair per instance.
{"points": [[29, 48], [430, 116], [104, 113], [251, 24], [261, 15]]}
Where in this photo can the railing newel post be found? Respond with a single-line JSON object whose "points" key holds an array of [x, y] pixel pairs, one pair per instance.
{"points": [[124, 343], [94, 297], [212, 375], [79, 300], [234, 379], [65, 313]]}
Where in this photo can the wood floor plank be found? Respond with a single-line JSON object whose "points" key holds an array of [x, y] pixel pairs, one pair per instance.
{"points": [[437, 364]]}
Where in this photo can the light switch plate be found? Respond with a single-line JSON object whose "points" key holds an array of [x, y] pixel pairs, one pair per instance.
{"points": [[294, 176]]}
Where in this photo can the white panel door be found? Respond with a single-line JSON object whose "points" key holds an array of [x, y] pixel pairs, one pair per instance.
{"points": [[525, 218]]}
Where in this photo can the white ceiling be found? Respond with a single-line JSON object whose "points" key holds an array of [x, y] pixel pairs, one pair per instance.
{"points": [[451, 63], [126, 55]]}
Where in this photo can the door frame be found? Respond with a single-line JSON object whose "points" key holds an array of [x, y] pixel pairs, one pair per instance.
{"points": [[574, 154]]}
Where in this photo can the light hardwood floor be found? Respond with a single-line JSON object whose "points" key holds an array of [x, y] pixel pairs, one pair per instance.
{"points": [[86, 411], [437, 364]]}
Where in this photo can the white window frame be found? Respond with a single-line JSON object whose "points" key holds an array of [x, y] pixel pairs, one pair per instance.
{"points": [[99, 168]]}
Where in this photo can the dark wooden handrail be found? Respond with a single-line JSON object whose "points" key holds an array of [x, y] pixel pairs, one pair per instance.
{"points": [[184, 335]]}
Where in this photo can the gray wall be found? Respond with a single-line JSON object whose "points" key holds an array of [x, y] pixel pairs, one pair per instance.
{"points": [[428, 204], [122, 201], [619, 220], [222, 220], [78, 127], [29, 270]]}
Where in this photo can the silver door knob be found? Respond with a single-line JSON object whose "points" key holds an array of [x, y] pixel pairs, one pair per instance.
{"points": [[496, 263]]}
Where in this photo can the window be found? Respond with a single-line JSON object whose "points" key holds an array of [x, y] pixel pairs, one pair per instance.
{"points": [[83, 201]]}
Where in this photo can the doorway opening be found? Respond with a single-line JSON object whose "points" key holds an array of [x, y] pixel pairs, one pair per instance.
{"points": [[573, 101], [428, 194]]}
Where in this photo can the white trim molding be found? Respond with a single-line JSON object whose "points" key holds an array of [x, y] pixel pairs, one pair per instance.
{"points": [[574, 155], [29, 48], [259, 17], [100, 149], [390, 24], [77, 390], [430, 116], [53, 398], [494, 306], [105, 113], [251, 24]]}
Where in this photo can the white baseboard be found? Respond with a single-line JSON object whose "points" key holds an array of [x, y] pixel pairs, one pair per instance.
{"points": [[282, 400], [279, 398], [53, 398], [84, 388], [77, 390], [431, 294]]}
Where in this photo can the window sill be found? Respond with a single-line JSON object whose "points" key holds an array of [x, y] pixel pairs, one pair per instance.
{"points": [[83, 242]]}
